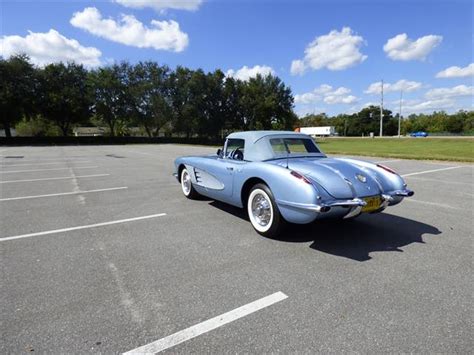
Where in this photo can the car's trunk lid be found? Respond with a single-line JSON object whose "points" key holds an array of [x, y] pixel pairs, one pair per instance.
{"points": [[341, 179]]}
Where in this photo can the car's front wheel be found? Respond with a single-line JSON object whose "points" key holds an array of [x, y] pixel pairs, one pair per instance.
{"points": [[263, 211], [187, 185]]}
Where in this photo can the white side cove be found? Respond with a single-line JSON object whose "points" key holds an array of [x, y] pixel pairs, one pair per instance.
{"points": [[203, 178]]}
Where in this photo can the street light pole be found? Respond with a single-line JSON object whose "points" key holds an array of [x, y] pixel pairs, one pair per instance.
{"points": [[400, 113], [381, 110]]}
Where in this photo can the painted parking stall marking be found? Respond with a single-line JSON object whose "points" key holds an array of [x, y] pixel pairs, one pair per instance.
{"points": [[95, 225], [434, 170], [43, 163], [44, 160], [63, 194], [208, 325], [386, 161], [34, 170], [55, 178], [435, 204]]}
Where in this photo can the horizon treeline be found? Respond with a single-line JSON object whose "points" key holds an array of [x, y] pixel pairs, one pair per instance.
{"points": [[153, 97], [367, 121], [54, 99]]}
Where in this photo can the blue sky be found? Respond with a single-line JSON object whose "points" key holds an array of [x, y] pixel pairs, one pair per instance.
{"points": [[424, 48]]}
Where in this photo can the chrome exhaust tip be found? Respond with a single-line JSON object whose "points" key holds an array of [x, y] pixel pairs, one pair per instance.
{"points": [[405, 193]]}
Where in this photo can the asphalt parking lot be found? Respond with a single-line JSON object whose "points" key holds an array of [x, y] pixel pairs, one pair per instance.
{"points": [[101, 252]]}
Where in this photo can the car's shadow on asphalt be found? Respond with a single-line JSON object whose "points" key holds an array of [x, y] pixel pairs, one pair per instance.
{"points": [[354, 239]]}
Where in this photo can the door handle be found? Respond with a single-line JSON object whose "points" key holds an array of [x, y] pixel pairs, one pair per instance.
{"points": [[230, 168]]}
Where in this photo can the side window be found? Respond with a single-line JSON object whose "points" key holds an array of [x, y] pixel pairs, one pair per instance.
{"points": [[235, 149]]}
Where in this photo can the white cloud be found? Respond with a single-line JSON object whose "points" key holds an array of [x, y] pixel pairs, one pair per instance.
{"points": [[334, 99], [457, 72], [334, 51], [417, 106], [370, 103], [245, 73], [401, 47], [49, 47], [298, 67], [162, 35], [307, 98], [327, 94], [405, 85], [160, 5], [306, 110], [443, 93], [325, 89]]}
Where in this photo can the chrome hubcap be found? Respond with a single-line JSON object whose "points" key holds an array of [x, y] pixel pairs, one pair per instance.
{"points": [[261, 210], [186, 182]]}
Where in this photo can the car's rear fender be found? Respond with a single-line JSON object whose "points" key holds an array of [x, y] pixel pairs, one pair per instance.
{"points": [[287, 190]]}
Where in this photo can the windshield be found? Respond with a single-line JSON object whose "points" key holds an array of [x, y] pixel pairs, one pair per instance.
{"points": [[283, 146]]}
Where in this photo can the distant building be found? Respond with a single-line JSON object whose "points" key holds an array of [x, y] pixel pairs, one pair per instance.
{"points": [[88, 131], [324, 131]]}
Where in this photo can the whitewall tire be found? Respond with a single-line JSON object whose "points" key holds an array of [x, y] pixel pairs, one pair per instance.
{"points": [[187, 185], [263, 211]]}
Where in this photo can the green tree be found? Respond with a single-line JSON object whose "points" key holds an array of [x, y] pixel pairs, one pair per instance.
{"points": [[18, 87], [150, 98], [267, 104], [233, 113], [110, 95], [183, 120], [65, 96]]}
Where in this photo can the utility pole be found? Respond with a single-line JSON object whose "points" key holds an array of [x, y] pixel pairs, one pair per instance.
{"points": [[400, 112], [381, 110]]}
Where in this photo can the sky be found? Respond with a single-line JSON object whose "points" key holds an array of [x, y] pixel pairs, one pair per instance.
{"points": [[332, 54]]}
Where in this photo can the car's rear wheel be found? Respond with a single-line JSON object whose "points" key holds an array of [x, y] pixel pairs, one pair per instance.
{"points": [[263, 211], [187, 185]]}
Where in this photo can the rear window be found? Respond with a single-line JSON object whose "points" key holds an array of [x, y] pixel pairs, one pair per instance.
{"points": [[293, 146]]}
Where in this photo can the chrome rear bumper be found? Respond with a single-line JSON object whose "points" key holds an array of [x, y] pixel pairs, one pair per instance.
{"points": [[355, 204], [324, 207]]}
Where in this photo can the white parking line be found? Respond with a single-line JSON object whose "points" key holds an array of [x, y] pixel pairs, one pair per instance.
{"points": [[386, 161], [62, 194], [42, 160], [208, 325], [442, 205], [433, 171], [55, 178], [27, 171], [77, 161], [439, 181], [55, 231]]}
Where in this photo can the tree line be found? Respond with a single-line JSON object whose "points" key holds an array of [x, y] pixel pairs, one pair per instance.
{"points": [[188, 102], [58, 97], [367, 120]]}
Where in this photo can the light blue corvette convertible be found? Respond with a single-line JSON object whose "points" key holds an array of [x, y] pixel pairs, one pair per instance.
{"points": [[283, 176]]}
